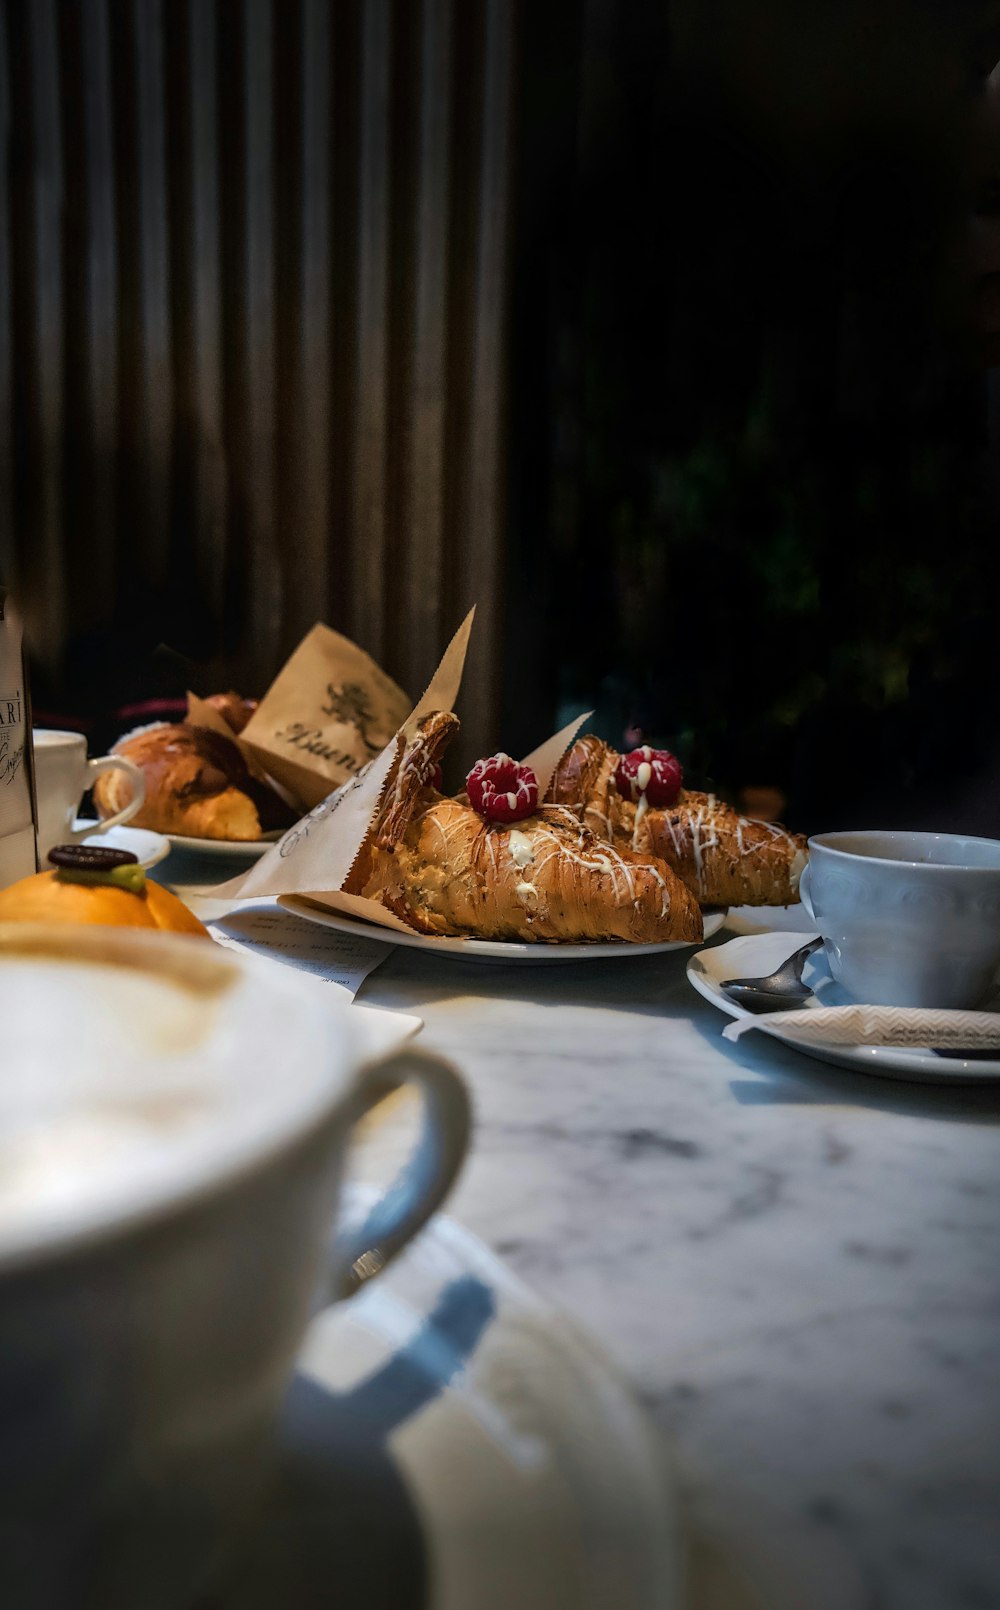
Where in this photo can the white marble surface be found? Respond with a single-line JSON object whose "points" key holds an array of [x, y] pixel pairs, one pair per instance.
{"points": [[798, 1267]]}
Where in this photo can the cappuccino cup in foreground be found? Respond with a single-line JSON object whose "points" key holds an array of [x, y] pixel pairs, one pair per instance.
{"points": [[908, 919], [173, 1127]]}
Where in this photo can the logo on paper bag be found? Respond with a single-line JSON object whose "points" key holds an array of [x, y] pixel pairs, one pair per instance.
{"points": [[11, 737], [351, 704]]}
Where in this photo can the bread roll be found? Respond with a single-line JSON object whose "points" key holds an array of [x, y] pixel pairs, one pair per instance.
{"points": [[233, 709], [197, 785]]}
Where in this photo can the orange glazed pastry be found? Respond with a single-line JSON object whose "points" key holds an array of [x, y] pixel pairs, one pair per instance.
{"points": [[90, 884]]}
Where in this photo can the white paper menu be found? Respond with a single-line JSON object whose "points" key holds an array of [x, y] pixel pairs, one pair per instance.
{"points": [[341, 961]]}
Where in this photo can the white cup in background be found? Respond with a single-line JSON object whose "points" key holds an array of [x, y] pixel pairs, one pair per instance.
{"points": [[908, 919], [62, 776], [173, 1137]]}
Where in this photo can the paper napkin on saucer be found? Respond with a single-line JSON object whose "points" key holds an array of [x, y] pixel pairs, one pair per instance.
{"points": [[878, 1025]]}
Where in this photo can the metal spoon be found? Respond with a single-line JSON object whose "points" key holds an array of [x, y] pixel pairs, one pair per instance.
{"points": [[783, 989]]}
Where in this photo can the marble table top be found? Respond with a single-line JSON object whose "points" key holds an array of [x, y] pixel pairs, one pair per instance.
{"points": [[798, 1267]]}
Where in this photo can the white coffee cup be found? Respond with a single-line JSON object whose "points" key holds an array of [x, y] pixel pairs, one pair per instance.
{"points": [[62, 776], [174, 1121], [908, 919]]}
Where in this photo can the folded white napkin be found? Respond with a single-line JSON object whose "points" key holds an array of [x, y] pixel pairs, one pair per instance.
{"points": [[878, 1025]]}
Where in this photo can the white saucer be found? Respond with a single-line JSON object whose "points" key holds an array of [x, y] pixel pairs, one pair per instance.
{"points": [[150, 848], [757, 955], [452, 1443], [486, 950]]}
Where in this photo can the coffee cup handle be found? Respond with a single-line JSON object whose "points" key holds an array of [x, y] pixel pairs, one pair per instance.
{"points": [[138, 781], [804, 894], [363, 1251]]}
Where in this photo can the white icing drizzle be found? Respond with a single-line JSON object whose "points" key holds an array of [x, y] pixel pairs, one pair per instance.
{"points": [[640, 811], [436, 821], [678, 843]]}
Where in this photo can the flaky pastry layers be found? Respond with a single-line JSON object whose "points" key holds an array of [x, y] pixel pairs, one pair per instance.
{"points": [[435, 863], [723, 858]]}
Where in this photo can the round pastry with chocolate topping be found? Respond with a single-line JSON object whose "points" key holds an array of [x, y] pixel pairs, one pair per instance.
{"points": [[96, 884]]}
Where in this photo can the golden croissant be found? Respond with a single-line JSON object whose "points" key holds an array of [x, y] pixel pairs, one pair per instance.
{"points": [[723, 858], [442, 869]]}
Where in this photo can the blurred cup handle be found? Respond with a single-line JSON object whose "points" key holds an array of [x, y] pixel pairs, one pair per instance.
{"points": [[138, 781], [804, 894], [363, 1251]]}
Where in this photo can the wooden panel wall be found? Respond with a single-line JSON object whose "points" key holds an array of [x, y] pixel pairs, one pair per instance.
{"points": [[253, 304]]}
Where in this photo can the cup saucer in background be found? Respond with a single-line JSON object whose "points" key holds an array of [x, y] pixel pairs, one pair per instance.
{"points": [[755, 955], [149, 848]]}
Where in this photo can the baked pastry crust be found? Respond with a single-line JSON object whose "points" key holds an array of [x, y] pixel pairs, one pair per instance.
{"points": [[724, 859], [435, 863], [197, 784], [233, 708]]}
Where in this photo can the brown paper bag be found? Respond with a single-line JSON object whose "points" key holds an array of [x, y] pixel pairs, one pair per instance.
{"points": [[327, 714], [318, 852]]}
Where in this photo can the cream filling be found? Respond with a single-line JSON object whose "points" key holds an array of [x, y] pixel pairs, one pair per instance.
{"points": [[521, 849]]}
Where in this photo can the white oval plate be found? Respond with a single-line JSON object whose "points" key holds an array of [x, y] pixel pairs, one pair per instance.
{"points": [[757, 955], [453, 1442], [486, 950], [148, 847], [224, 849]]}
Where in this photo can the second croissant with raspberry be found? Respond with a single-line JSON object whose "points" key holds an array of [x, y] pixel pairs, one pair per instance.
{"points": [[637, 801]]}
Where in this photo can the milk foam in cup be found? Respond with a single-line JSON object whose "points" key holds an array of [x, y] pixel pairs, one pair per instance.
{"points": [[174, 1121]]}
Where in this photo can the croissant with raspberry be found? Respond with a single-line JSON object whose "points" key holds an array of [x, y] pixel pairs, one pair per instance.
{"points": [[723, 858], [437, 864]]}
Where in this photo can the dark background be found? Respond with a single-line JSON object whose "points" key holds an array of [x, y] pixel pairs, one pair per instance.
{"points": [[760, 468], [694, 396]]}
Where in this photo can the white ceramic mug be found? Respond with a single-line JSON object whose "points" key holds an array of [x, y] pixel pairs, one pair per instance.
{"points": [[174, 1121], [908, 919], [62, 776]]}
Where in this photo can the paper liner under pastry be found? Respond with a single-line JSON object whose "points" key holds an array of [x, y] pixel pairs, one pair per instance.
{"points": [[544, 760]]}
